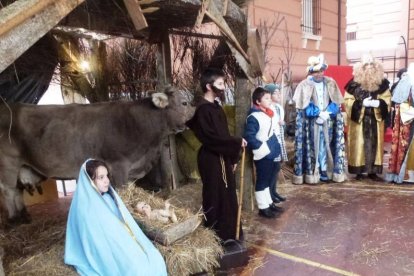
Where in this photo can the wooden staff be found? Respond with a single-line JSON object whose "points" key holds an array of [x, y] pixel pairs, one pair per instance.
{"points": [[240, 194]]}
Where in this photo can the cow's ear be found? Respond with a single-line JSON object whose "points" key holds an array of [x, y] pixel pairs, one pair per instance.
{"points": [[160, 100]]}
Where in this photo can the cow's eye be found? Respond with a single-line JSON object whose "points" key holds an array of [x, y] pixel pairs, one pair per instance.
{"points": [[185, 103]]}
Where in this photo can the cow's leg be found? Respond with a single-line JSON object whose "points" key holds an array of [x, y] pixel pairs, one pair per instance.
{"points": [[13, 197], [13, 202], [22, 215], [18, 214]]}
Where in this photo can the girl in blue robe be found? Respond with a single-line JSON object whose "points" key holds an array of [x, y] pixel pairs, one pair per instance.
{"points": [[102, 238]]}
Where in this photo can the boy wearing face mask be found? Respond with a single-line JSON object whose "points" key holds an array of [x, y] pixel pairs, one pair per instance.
{"points": [[319, 133], [217, 157]]}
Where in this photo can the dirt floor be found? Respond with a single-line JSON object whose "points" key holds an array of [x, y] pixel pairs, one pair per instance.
{"points": [[354, 228]]}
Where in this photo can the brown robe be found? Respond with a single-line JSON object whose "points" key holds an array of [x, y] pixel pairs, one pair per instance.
{"points": [[219, 151]]}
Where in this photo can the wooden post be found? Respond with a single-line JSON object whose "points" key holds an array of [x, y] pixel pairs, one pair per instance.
{"points": [[68, 51], [98, 70], [242, 99], [164, 70], [239, 210], [170, 171]]}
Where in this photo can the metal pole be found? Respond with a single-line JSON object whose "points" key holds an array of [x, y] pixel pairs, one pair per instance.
{"points": [[64, 188], [405, 51]]}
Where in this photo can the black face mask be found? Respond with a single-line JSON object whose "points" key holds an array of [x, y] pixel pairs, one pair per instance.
{"points": [[219, 93]]}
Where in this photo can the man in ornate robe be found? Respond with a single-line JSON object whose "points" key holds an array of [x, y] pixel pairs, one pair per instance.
{"points": [[401, 162], [367, 103], [319, 134]]}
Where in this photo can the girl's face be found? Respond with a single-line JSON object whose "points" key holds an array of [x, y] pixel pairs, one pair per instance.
{"points": [[265, 101], [101, 179], [276, 97]]}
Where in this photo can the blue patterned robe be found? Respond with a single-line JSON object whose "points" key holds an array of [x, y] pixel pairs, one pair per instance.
{"points": [[310, 138]]}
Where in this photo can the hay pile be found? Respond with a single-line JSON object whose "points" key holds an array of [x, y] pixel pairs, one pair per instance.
{"points": [[38, 248], [131, 195], [197, 252]]}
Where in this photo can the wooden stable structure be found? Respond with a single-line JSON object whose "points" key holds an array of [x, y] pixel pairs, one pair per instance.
{"points": [[29, 26]]}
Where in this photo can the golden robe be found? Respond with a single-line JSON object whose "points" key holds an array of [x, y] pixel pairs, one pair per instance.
{"points": [[366, 127]]}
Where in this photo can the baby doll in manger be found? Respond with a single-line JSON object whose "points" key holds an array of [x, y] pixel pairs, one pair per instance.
{"points": [[164, 215]]}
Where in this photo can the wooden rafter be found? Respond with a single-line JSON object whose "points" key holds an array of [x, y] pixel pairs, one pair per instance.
{"points": [[210, 9], [225, 6], [215, 15], [243, 63], [31, 20], [204, 6], [136, 14]]}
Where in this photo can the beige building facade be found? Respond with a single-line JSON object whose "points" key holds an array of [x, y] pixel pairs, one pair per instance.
{"points": [[297, 29], [380, 27]]}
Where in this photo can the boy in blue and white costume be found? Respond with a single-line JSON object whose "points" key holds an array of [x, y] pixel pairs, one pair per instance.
{"points": [[260, 134], [319, 134]]}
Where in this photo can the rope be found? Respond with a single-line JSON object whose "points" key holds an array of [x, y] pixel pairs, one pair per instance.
{"points": [[223, 170]]}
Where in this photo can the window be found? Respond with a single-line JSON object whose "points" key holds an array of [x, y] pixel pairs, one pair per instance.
{"points": [[311, 17], [351, 36], [351, 31]]}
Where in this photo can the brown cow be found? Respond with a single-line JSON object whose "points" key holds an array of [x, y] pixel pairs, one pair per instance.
{"points": [[53, 141]]}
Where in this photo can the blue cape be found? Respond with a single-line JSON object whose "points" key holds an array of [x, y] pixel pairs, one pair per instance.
{"points": [[102, 238], [402, 90]]}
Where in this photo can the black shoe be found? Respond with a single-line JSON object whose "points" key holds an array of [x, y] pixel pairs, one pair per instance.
{"points": [[276, 200], [275, 209], [375, 177], [267, 213], [280, 198], [359, 176]]}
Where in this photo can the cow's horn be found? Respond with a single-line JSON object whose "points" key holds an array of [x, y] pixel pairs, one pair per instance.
{"points": [[160, 100]]}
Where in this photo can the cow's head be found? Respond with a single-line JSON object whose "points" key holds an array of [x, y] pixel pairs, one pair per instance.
{"points": [[177, 105]]}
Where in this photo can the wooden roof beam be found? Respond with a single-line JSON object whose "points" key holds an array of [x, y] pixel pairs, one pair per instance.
{"points": [[25, 21], [136, 14]]}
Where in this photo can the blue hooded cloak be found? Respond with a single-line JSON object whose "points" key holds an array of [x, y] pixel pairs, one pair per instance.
{"points": [[102, 238]]}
